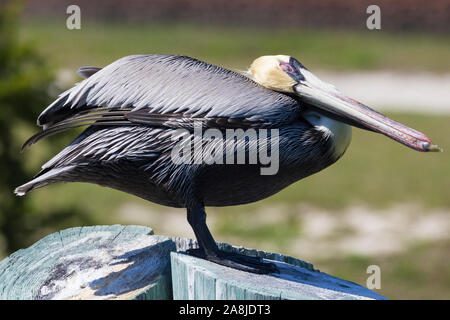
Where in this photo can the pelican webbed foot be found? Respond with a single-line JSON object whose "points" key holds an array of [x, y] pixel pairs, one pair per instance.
{"points": [[236, 261]]}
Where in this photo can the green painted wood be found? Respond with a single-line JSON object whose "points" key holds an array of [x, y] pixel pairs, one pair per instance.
{"points": [[100, 262], [194, 278]]}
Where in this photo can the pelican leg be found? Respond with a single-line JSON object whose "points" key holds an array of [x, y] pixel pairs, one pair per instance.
{"points": [[208, 248]]}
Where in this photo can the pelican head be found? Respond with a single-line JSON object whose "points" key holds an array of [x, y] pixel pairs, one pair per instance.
{"points": [[286, 74]]}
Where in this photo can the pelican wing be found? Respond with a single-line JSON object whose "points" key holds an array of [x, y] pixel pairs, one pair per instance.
{"points": [[152, 89]]}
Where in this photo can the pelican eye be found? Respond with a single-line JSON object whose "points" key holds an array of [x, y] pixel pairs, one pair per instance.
{"points": [[286, 67], [292, 68]]}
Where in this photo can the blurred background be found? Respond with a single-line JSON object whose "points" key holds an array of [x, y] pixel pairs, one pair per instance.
{"points": [[381, 204]]}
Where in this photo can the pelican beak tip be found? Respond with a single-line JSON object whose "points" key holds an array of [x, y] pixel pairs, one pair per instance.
{"points": [[432, 147]]}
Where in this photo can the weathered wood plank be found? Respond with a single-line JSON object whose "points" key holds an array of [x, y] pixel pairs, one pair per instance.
{"points": [[194, 278], [100, 262]]}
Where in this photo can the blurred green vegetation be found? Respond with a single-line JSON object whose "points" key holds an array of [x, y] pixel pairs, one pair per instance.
{"points": [[25, 79], [422, 272], [375, 171], [380, 172], [101, 43]]}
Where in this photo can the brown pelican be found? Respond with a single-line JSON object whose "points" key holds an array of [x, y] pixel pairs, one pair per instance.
{"points": [[134, 106]]}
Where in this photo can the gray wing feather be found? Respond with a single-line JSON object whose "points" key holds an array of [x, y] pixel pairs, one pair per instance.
{"points": [[173, 84], [112, 144]]}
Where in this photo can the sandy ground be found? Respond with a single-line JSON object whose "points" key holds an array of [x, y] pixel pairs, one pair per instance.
{"points": [[426, 93], [363, 231], [355, 230], [395, 91]]}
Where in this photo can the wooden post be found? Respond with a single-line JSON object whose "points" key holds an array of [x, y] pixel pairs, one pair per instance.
{"points": [[101, 262], [194, 278], [129, 262]]}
